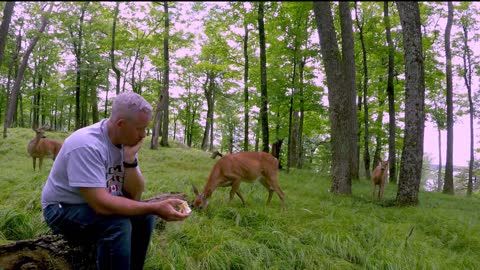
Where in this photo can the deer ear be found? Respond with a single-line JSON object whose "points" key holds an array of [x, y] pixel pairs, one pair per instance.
{"points": [[195, 190]]}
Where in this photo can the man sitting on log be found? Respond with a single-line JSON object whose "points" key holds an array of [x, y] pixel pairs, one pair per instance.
{"points": [[93, 192]]}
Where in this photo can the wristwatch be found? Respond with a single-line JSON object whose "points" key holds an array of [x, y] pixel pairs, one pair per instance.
{"points": [[130, 165]]}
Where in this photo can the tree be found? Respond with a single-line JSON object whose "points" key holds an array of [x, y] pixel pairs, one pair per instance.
{"points": [[467, 22], [392, 164], [263, 78], [366, 153], [16, 87], [166, 78], [448, 183], [160, 122], [7, 17], [340, 73], [112, 49], [412, 153]]}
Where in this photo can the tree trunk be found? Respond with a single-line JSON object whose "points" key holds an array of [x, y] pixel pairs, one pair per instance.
{"points": [[366, 136], [439, 177], [340, 73], [16, 87], [412, 154], [7, 18], [391, 100], [166, 79], [276, 150], [208, 90], [292, 120], [302, 116], [245, 88], [263, 81], [467, 77], [112, 50], [54, 252], [448, 183], [94, 101], [12, 72]]}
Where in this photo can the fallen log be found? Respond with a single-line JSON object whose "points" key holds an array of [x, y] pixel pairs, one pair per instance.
{"points": [[53, 252]]}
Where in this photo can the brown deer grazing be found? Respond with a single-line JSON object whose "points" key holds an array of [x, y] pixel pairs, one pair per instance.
{"points": [[232, 169], [40, 146], [379, 178]]}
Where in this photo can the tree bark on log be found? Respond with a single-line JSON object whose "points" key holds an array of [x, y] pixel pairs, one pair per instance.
{"points": [[53, 252]]}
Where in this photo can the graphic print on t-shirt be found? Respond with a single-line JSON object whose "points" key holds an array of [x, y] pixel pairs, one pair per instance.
{"points": [[115, 180]]}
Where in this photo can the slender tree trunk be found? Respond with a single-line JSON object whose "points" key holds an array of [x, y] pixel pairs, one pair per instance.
{"points": [[77, 50], [412, 154], [209, 87], [340, 73], [245, 88], [94, 100], [263, 81], [302, 116], [448, 184], [391, 100], [166, 78], [157, 119], [439, 177], [292, 123], [212, 113], [366, 136], [7, 18], [112, 50], [16, 87], [12, 72], [467, 77]]}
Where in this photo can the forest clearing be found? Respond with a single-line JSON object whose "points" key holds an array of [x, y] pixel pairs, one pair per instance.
{"points": [[319, 230], [330, 89]]}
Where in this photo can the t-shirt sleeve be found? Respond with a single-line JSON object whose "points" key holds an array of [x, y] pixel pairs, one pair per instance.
{"points": [[86, 168]]}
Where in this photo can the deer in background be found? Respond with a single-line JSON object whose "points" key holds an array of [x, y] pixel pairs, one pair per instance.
{"points": [[232, 169], [40, 146], [379, 178]]}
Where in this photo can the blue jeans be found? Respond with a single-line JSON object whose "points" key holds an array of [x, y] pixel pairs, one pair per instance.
{"points": [[122, 242]]}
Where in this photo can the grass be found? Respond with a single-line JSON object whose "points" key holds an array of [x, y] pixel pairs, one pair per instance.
{"points": [[319, 230]]}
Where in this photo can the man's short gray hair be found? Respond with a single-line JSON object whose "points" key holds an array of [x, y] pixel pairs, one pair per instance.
{"points": [[128, 104]]}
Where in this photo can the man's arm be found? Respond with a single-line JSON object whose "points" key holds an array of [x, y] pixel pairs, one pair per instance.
{"points": [[104, 203], [133, 183]]}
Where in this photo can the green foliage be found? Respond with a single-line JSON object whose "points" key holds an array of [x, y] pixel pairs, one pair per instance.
{"points": [[318, 231]]}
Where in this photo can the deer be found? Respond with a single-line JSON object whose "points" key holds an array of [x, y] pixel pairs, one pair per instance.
{"points": [[379, 178], [41, 146], [232, 169]]}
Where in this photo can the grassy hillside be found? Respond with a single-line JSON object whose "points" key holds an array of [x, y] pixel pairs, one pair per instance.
{"points": [[318, 231]]}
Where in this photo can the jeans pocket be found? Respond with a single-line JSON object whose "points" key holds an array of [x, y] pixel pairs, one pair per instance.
{"points": [[53, 216]]}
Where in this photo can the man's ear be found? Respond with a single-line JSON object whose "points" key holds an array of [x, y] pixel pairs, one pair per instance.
{"points": [[120, 122]]}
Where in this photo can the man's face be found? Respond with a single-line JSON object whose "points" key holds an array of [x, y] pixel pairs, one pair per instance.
{"points": [[132, 131]]}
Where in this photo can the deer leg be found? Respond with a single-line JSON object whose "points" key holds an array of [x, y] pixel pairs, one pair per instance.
{"points": [[272, 186], [374, 187], [382, 188], [235, 190], [34, 162]]}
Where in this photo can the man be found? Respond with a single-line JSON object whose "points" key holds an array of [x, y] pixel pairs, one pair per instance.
{"points": [[94, 189]]}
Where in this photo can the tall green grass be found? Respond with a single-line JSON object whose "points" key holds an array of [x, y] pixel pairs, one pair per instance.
{"points": [[319, 230]]}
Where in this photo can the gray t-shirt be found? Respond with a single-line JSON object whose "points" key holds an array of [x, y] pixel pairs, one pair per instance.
{"points": [[87, 159]]}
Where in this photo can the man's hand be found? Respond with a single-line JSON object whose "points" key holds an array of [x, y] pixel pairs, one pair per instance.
{"points": [[166, 209], [129, 151]]}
